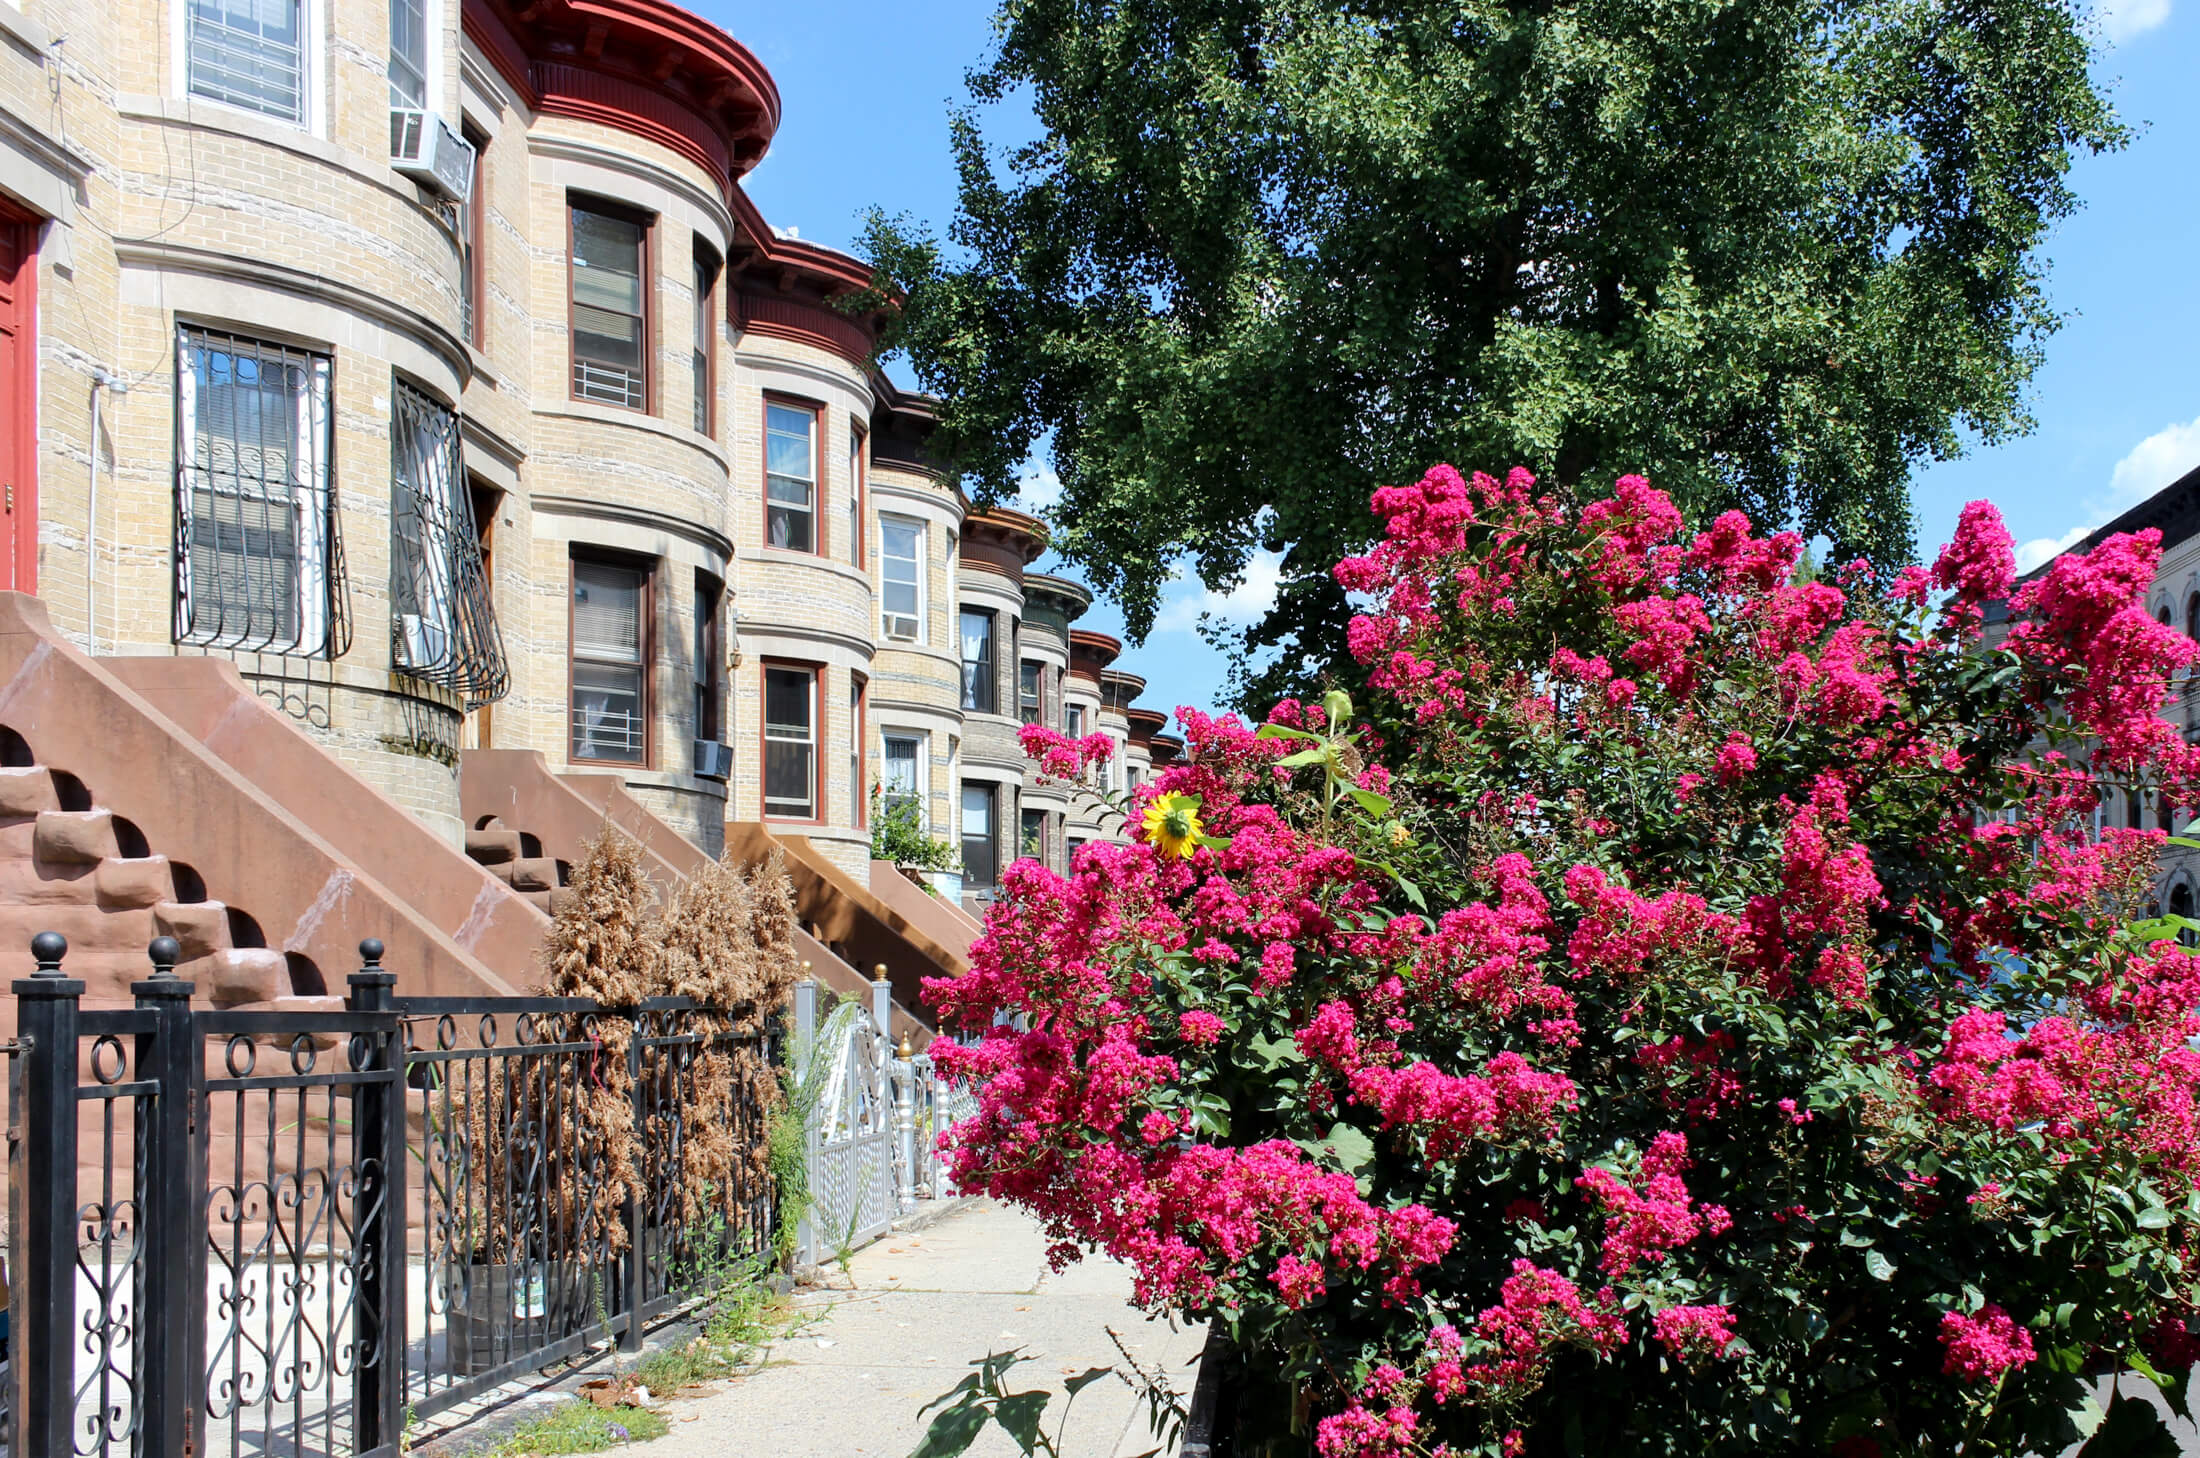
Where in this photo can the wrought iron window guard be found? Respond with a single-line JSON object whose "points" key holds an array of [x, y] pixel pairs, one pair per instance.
{"points": [[443, 625]]}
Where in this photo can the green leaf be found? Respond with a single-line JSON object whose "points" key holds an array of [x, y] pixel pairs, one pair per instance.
{"points": [[1371, 802], [2171, 1387], [1085, 1379], [1285, 731], [952, 1432], [1271, 1052], [1352, 1148], [2133, 1429], [2154, 1217], [1877, 1263], [1304, 757], [1021, 1413]]}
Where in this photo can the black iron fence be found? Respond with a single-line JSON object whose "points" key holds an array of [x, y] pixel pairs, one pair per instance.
{"points": [[281, 1232]]}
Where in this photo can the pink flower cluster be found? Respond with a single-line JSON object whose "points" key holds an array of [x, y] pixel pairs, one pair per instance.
{"points": [[1981, 1348], [1061, 756], [1694, 1333], [1643, 1221]]}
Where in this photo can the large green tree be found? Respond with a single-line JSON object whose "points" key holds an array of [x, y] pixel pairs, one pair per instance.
{"points": [[1265, 255]]}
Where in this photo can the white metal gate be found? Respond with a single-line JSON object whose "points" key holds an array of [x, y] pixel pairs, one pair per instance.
{"points": [[850, 1130]]}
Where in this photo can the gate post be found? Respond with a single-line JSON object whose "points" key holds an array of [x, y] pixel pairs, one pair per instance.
{"points": [[804, 1062], [635, 1212], [378, 1124], [172, 1350], [43, 1321]]}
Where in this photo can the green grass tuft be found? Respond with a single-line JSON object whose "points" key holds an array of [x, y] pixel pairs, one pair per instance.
{"points": [[580, 1426]]}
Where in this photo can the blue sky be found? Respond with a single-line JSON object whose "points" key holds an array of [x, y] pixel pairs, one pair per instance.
{"points": [[867, 86]]}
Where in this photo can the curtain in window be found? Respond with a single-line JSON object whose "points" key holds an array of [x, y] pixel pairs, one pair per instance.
{"points": [[443, 626], [977, 662]]}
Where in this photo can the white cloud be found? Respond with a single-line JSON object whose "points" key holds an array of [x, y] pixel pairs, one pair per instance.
{"points": [[2042, 549], [2155, 462], [1039, 491], [2145, 469], [2123, 19], [1188, 599]]}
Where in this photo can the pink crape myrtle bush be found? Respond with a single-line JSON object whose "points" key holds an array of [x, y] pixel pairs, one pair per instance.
{"points": [[1690, 1009]]}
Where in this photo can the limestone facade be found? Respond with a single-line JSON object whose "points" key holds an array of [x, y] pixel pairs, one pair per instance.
{"points": [[591, 461]]}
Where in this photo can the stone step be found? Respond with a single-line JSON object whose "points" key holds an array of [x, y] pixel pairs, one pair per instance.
{"points": [[234, 976], [27, 882], [135, 881], [530, 873], [74, 837], [26, 791], [493, 845], [202, 926]]}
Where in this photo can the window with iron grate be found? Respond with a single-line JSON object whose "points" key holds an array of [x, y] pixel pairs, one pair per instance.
{"points": [[258, 559], [443, 625]]}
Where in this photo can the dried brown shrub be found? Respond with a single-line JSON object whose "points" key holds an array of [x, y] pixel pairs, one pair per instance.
{"points": [[728, 943], [606, 943]]}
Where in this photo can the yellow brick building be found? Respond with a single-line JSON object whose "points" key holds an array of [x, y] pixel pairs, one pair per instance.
{"points": [[426, 359]]}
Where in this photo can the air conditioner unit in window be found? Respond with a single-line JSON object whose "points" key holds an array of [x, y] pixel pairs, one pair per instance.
{"points": [[898, 626], [713, 760], [424, 148]]}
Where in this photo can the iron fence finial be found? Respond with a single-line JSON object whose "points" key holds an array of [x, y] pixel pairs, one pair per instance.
{"points": [[370, 953], [49, 948], [165, 953]]}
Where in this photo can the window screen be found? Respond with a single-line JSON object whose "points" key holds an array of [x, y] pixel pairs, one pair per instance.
{"points": [[250, 54]]}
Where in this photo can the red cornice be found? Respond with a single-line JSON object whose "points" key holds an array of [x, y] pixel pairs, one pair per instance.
{"points": [[646, 67]]}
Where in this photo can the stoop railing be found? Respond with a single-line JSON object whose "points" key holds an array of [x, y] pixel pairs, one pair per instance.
{"points": [[278, 1232]]}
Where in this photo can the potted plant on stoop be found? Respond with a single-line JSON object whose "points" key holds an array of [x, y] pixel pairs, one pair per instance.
{"points": [[898, 835]]}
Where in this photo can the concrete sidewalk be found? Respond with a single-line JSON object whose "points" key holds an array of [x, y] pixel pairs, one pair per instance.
{"points": [[924, 1305]]}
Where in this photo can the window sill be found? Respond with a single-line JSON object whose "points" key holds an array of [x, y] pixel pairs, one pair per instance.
{"points": [[23, 30], [252, 126], [635, 420]]}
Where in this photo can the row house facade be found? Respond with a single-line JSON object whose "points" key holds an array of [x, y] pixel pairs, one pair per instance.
{"points": [[425, 362]]}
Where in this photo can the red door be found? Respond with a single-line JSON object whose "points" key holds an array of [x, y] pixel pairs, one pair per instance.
{"points": [[18, 402]]}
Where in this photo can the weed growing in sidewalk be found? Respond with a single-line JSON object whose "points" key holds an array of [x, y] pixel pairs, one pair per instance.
{"points": [[580, 1426]]}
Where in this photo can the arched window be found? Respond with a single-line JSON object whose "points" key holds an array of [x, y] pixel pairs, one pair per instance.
{"points": [[2180, 904], [2135, 809], [2192, 616]]}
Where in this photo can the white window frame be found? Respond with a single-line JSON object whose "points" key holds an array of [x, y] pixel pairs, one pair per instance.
{"points": [[314, 73], [889, 520], [922, 789], [431, 79]]}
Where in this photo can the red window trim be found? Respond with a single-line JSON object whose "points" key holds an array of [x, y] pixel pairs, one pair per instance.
{"points": [[816, 672], [859, 456], [22, 469], [820, 537], [860, 694]]}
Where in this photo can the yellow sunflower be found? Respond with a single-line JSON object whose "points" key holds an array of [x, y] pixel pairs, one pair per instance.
{"points": [[1172, 824]]}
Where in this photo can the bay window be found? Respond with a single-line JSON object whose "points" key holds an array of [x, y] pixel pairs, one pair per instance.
{"points": [[903, 780], [979, 835], [790, 742], [609, 299], [254, 511], [980, 694], [901, 572], [790, 476], [610, 662], [249, 54]]}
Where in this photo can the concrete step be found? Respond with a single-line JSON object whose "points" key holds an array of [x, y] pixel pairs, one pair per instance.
{"points": [[74, 837], [26, 791], [135, 881], [26, 882], [202, 926], [234, 976], [493, 845], [530, 873]]}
